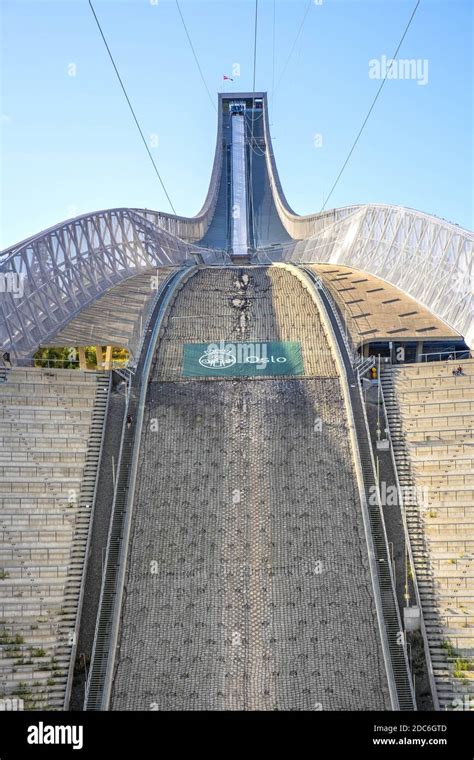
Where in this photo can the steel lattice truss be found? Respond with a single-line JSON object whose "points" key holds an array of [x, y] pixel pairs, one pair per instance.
{"points": [[428, 259], [69, 266], [66, 268]]}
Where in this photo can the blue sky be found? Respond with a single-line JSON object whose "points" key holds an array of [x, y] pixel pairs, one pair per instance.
{"points": [[69, 144]]}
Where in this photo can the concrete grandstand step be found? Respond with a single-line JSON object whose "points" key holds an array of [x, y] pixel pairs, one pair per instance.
{"points": [[33, 502], [432, 369], [44, 376], [432, 404], [26, 485], [44, 535], [443, 435], [54, 429], [60, 441], [434, 464], [462, 422], [442, 537], [12, 517], [41, 456], [46, 413], [455, 512], [41, 470]]}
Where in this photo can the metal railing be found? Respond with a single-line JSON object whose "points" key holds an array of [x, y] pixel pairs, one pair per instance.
{"points": [[364, 364], [355, 357], [51, 363], [409, 551], [99, 416], [447, 355]]}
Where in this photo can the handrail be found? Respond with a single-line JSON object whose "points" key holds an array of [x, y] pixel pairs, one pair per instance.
{"points": [[448, 354], [343, 328], [70, 675], [379, 504], [364, 364], [426, 647]]}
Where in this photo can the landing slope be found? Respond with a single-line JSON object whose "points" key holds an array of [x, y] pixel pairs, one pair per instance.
{"points": [[248, 583]]}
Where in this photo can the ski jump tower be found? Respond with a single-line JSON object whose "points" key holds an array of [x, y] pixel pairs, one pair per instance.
{"points": [[246, 218]]}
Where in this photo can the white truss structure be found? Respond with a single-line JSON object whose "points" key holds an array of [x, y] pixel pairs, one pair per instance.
{"points": [[429, 259], [67, 267]]}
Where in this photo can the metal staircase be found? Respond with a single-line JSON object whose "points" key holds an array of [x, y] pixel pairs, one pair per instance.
{"points": [[75, 584], [426, 579]]}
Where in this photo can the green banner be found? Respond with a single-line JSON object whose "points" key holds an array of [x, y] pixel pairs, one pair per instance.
{"points": [[225, 359]]}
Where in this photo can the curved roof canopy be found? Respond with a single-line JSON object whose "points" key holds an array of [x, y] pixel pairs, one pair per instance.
{"points": [[47, 280]]}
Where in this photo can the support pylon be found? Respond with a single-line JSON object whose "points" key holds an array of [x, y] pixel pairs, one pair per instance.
{"points": [[100, 358], [82, 357], [108, 357]]}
